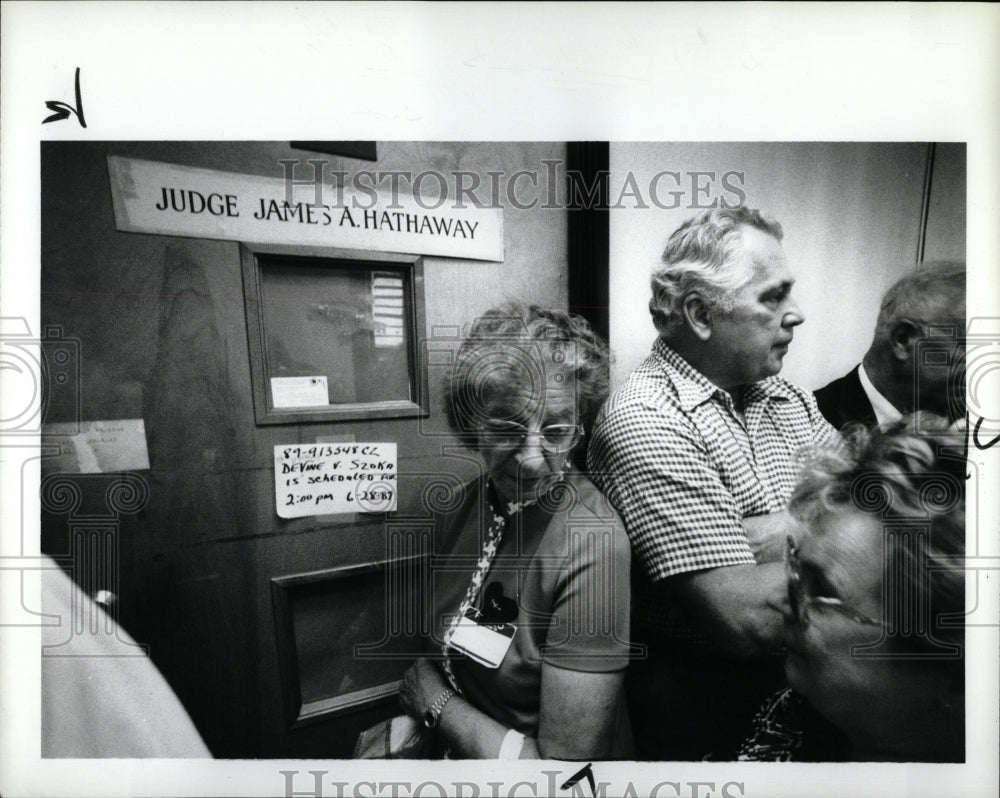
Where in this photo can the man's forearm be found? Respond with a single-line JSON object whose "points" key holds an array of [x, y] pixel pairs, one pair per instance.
{"points": [[738, 606]]}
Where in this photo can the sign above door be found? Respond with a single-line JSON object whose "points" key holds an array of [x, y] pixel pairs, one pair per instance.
{"points": [[167, 199]]}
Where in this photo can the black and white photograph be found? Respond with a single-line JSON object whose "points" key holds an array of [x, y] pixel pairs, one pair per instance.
{"points": [[554, 457]]}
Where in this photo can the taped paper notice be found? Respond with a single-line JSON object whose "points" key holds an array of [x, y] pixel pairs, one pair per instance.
{"points": [[299, 391], [328, 478], [96, 447]]}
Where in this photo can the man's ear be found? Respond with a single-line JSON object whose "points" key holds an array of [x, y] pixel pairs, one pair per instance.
{"points": [[697, 315], [903, 338]]}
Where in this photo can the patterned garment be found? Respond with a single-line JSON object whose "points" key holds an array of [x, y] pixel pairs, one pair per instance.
{"points": [[788, 729], [776, 737], [684, 467]]}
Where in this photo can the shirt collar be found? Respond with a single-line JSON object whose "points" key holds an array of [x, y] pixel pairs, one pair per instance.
{"points": [[885, 411], [694, 388]]}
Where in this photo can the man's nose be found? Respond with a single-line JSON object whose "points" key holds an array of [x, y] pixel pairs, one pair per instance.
{"points": [[793, 314]]}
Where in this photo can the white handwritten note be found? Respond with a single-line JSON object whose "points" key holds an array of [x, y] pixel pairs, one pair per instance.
{"points": [[328, 478], [97, 447]]}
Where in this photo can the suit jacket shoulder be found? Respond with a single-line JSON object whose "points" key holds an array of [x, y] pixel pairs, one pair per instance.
{"points": [[844, 401]]}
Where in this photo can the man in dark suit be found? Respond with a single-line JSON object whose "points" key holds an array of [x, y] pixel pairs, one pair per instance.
{"points": [[916, 360]]}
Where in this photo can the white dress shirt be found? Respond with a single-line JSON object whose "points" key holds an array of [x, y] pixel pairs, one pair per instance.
{"points": [[885, 411]]}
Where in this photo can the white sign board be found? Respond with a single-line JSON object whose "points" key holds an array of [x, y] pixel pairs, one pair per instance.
{"points": [[329, 478], [97, 447], [153, 197]]}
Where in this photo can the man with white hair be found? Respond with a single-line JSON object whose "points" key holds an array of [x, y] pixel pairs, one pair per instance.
{"points": [[916, 360], [698, 451]]}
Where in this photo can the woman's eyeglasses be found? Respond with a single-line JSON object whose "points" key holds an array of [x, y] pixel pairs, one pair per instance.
{"points": [[802, 601], [555, 438]]}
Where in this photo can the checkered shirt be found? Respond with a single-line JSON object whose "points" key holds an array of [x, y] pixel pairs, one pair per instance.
{"points": [[672, 454]]}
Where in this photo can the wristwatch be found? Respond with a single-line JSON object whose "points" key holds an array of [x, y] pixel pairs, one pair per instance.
{"points": [[432, 717]]}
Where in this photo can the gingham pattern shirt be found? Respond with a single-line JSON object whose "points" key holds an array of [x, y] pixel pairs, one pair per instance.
{"points": [[683, 469]]}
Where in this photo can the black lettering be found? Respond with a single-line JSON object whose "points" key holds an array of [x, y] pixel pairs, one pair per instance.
{"points": [[192, 196], [292, 212], [173, 200], [213, 208]]}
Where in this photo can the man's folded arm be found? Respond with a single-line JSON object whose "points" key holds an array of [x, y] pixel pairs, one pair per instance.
{"points": [[739, 606]]}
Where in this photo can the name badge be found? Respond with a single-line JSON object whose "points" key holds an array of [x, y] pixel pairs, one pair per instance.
{"points": [[486, 643]]}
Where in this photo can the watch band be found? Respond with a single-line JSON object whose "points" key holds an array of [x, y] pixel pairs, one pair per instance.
{"points": [[510, 747], [432, 717]]}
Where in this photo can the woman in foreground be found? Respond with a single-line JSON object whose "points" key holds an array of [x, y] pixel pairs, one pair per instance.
{"points": [[876, 598], [531, 591]]}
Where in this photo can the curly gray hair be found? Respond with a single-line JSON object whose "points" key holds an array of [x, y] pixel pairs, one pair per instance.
{"points": [[513, 346], [704, 254], [911, 471]]}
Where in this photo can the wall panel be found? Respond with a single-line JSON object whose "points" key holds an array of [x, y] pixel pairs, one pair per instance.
{"points": [[851, 217], [161, 323]]}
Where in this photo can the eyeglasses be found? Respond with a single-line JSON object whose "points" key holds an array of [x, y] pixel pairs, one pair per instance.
{"points": [[555, 438], [802, 601]]}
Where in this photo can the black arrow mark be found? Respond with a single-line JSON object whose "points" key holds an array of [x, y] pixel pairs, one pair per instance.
{"points": [[63, 110], [975, 437], [575, 778]]}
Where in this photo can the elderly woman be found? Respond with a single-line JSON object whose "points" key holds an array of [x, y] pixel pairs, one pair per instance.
{"points": [[531, 591], [875, 600]]}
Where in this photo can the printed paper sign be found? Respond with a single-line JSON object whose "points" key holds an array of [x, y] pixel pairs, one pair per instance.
{"points": [[96, 447], [328, 478], [299, 391], [163, 198]]}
